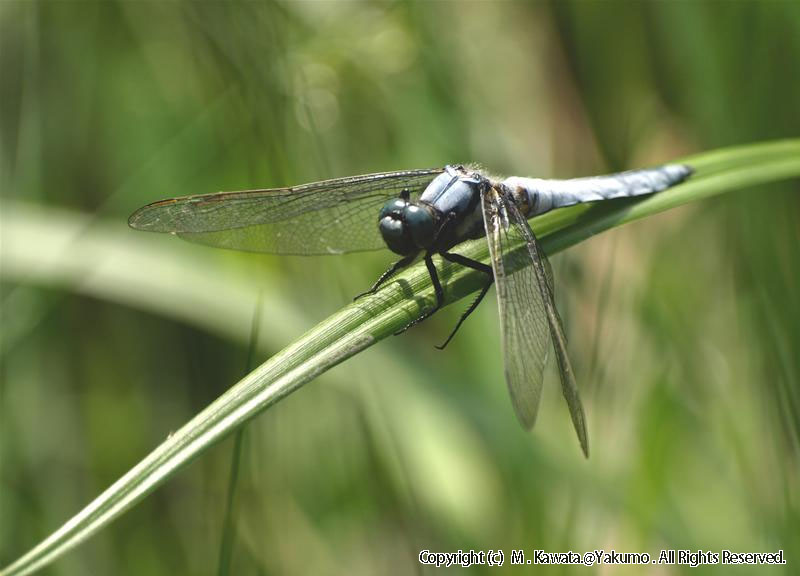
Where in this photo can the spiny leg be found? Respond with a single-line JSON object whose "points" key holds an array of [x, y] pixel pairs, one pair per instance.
{"points": [[475, 265], [393, 269], [437, 287]]}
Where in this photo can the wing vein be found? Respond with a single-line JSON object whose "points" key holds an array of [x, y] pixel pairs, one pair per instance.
{"points": [[529, 320], [327, 217]]}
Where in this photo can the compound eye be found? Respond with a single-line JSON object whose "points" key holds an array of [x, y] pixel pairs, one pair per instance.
{"points": [[421, 225], [395, 234], [393, 207]]}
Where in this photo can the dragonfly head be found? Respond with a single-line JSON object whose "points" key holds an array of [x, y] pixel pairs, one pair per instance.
{"points": [[407, 227]]}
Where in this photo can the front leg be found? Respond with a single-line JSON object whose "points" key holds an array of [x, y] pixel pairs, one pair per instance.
{"points": [[437, 287], [393, 269]]}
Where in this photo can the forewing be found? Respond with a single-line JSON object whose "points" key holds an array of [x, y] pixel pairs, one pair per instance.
{"points": [[528, 316], [327, 217]]}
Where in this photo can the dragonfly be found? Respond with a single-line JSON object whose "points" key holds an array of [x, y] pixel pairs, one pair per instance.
{"points": [[418, 214]]}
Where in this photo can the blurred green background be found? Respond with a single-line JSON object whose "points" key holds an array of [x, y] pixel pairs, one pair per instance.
{"points": [[684, 328]]}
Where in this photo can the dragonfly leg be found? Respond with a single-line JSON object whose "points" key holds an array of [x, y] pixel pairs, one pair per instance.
{"points": [[437, 287], [475, 265], [393, 269]]}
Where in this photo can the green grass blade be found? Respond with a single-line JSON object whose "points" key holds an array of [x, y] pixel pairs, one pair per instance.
{"points": [[229, 522], [361, 324]]}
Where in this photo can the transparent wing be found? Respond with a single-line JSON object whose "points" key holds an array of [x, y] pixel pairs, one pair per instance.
{"points": [[327, 217], [528, 316]]}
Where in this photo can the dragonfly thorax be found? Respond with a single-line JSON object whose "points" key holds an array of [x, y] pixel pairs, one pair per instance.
{"points": [[446, 213], [407, 227]]}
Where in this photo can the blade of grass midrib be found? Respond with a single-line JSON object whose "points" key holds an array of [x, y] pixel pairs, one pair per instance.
{"points": [[359, 325]]}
